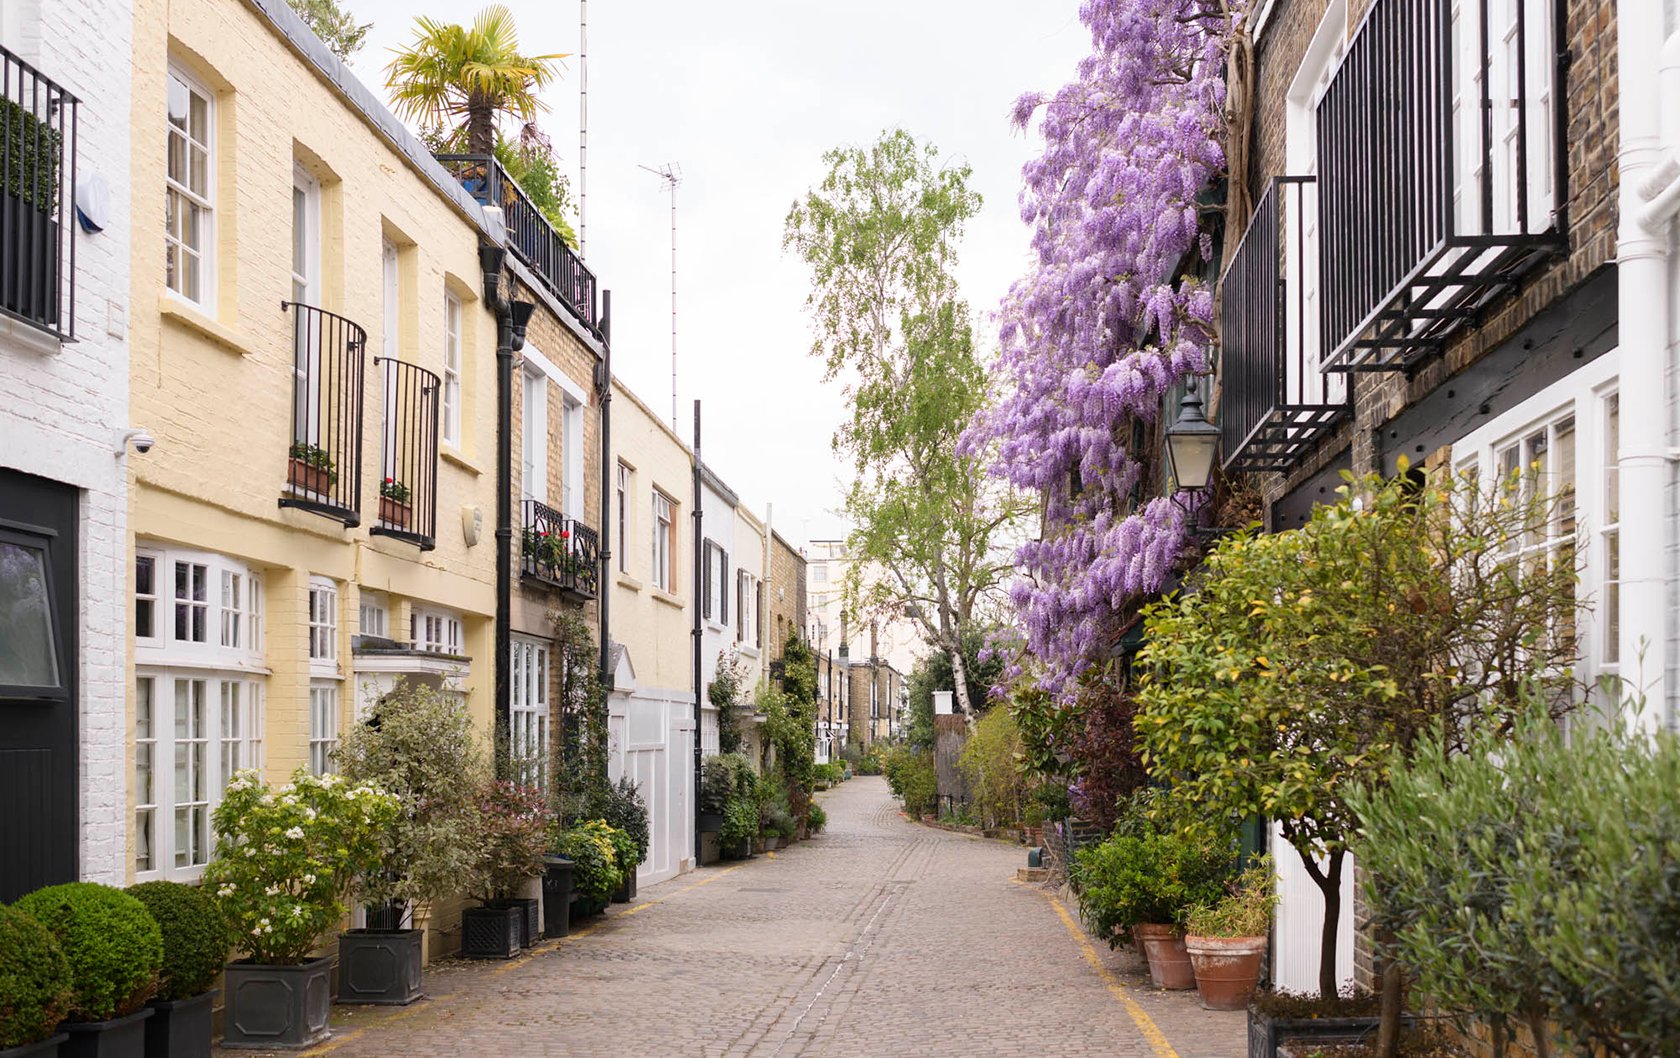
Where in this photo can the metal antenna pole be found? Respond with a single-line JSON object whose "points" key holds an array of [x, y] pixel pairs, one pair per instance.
{"points": [[583, 128], [671, 173]]}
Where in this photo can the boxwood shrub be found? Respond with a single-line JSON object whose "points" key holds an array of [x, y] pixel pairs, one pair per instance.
{"points": [[112, 943], [34, 980], [195, 938]]}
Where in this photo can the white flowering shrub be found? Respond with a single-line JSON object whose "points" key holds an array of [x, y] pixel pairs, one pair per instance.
{"points": [[286, 858]]}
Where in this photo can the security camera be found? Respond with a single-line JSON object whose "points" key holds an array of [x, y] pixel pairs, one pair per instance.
{"points": [[142, 441]]}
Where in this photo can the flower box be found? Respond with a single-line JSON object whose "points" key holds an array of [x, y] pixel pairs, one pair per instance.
{"points": [[308, 478], [1268, 1034], [181, 1028], [491, 932], [379, 966], [123, 1037], [277, 1007], [530, 918], [395, 512], [47, 1048]]}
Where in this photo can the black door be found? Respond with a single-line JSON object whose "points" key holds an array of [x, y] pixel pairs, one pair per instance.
{"points": [[38, 758]]}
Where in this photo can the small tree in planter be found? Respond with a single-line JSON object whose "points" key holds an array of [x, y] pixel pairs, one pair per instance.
{"points": [[511, 836], [115, 952], [195, 947], [418, 745], [286, 861], [35, 986], [1227, 939], [594, 870], [621, 807]]}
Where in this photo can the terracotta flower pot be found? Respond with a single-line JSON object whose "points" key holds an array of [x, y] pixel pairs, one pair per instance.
{"points": [[1227, 969], [318, 480], [394, 512], [1169, 963]]}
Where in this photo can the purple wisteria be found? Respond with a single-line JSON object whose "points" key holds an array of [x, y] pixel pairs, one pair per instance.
{"points": [[1099, 330]]}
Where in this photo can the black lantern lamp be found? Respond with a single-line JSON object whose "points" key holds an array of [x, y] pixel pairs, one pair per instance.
{"points": [[1192, 443]]}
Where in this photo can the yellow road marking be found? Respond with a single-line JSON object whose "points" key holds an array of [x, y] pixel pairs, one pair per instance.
{"points": [[1140, 1017]]}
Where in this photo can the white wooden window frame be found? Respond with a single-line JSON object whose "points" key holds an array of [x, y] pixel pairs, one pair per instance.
{"points": [[232, 633], [533, 438], [306, 237], [625, 484], [664, 536], [324, 720], [528, 710], [323, 626], [451, 370], [205, 200], [435, 631], [571, 456], [373, 615], [1466, 120]]}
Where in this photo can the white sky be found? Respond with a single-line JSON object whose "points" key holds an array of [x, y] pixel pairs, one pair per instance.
{"points": [[745, 96]]}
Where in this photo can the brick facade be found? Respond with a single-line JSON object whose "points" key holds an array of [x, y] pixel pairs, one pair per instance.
{"points": [[786, 605]]}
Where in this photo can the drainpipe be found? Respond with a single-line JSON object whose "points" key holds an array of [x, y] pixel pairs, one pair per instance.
{"points": [[603, 387], [699, 586], [1643, 324]]}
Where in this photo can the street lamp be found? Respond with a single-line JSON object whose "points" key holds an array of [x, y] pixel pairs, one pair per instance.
{"points": [[1191, 443]]}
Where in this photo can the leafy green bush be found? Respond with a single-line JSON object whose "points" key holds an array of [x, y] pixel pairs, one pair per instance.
{"points": [[195, 939], [740, 826], [1244, 911], [622, 807], [33, 150], [35, 986], [830, 773], [816, 818], [990, 761], [594, 872], [1147, 875], [112, 943], [717, 784], [911, 775], [513, 823], [625, 854]]}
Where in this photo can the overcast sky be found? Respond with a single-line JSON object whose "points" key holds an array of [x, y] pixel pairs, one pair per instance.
{"points": [[745, 96]]}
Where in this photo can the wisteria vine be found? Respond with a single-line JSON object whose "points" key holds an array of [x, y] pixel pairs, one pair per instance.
{"points": [[1100, 329]]}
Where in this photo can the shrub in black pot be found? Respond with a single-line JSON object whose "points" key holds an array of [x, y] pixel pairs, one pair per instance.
{"points": [[115, 952], [621, 807], [195, 947], [512, 824], [594, 871], [35, 991]]}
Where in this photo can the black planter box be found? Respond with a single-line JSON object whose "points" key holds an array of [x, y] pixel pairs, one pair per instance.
{"points": [[582, 909], [710, 822], [117, 1038], [491, 932], [557, 896], [180, 1028], [379, 966], [530, 918], [627, 891], [47, 1048], [277, 1007], [29, 263], [1266, 1033]]}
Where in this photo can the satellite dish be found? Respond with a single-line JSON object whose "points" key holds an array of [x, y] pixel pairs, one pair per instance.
{"points": [[93, 202]]}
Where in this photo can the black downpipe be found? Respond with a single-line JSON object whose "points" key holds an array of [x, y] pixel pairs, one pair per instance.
{"points": [[699, 692], [603, 583], [511, 319]]}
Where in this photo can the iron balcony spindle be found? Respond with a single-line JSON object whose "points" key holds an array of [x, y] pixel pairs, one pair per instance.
{"points": [[408, 478], [37, 188], [560, 551], [324, 459]]}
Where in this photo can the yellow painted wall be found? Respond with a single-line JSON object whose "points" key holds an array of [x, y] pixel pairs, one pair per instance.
{"points": [[215, 388]]}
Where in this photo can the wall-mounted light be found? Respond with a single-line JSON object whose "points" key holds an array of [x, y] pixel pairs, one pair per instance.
{"points": [[1192, 442]]}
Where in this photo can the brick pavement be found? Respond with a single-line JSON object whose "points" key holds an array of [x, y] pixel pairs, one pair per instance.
{"points": [[877, 938]]}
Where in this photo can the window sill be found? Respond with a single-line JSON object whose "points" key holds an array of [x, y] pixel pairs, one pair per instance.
{"points": [[667, 598], [625, 580], [184, 314], [747, 651], [454, 456]]}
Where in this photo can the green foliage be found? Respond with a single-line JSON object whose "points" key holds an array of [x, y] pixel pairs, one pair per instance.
{"points": [[580, 773], [816, 818], [33, 152], [594, 866], [113, 946], [36, 991], [865, 760], [511, 834], [195, 939], [990, 761], [417, 744], [831, 773], [333, 24], [933, 672], [790, 721], [740, 826], [1535, 877], [1300, 661], [725, 695], [621, 807], [1147, 874], [316, 457], [911, 775], [1244, 911], [625, 854], [530, 162], [717, 781], [287, 858], [879, 236]]}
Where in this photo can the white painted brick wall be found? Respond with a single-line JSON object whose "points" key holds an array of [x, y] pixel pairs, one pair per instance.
{"points": [[64, 410]]}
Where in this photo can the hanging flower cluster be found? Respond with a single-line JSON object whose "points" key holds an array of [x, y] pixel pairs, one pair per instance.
{"points": [[1100, 328]]}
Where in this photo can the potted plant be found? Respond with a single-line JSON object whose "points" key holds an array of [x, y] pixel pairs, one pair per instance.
{"points": [[313, 469], [35, 987], [286, 860], [1227, 939], [34, 150], [717, 786], [621, 806], [594, 874], [510, 838], [416, 744], [195, 947], [625, 858], [394, 507], [115, 952], [740, 827]]}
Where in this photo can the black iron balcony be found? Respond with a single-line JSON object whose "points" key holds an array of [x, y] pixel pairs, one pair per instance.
{"points": [[37, 190], [531, 238], [1441, 173], [324, 470], [560, 551], [1275, 400], [408, 478]]}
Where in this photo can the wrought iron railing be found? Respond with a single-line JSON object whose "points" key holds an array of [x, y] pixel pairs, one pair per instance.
{"points": [[408, 478], [324, 464], [37, 199], [1275, 399], [531, 238], [1441, 172], [559, 550]]}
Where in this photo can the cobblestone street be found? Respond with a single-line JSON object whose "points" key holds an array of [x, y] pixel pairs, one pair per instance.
{"points": [[879, 937]]}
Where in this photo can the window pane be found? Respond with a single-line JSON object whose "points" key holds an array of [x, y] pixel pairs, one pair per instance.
{"points": [[28, 650]]}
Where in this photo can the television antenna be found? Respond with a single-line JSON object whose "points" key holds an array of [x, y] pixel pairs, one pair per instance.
{"points": [[671, 174]]}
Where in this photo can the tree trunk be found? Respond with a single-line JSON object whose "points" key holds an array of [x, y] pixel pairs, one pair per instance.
{"points": [[1393, 1005], [481, 128], [959, 675], [1329, 882]]}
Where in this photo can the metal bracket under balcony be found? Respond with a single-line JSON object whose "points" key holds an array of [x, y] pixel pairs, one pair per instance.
{"points": [[1276, 402], [1441, 173], [560, 552], [408, 482], [324, 462]]}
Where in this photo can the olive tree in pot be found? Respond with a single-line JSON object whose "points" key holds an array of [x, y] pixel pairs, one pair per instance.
{"points": [[195, 947], [508, 842], [286, 861], [416, 744], [1227, 939], [115, 951], [35, 990]]}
